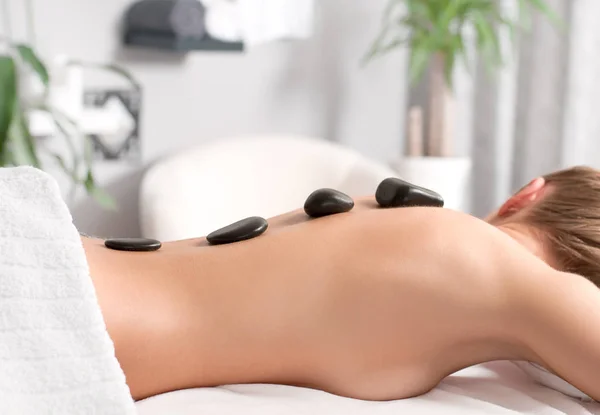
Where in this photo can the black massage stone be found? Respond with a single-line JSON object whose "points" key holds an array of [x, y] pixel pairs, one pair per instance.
{"points": [[133, 244], [325, 202], [239, 231], [393, 192]]}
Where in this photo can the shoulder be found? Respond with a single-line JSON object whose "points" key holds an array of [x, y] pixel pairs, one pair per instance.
{"points": [[482, 249], [453, 231], [560, 320], [444, 232]]}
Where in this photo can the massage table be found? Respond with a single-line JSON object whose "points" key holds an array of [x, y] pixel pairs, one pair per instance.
{"points": [[494, 388], [274, 174]]}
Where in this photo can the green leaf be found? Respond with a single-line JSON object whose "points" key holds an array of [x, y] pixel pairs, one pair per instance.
{"points": [[66, 127], [88, 151], [524, 15], [389, 10], [510, 27], [436, 27], [8, 94], [547, 11], [22, 144], [420, 8], [419, 59], [60, 120], [103, 198], [63, 165], [456, 50], [448, 15], [89, 181], [30, 57], [375, 47], [462, 53], [487, 41], [395, 43], [449, 69], [527, 6], [413, 24]]}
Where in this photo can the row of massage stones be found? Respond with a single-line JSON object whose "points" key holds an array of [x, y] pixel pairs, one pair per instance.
{"points": [[391, 192]]}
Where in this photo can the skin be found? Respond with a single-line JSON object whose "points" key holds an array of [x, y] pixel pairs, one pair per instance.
{"points": [[373, 304]]}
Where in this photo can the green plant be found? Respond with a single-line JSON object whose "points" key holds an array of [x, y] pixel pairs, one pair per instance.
{"points": [[17, 145], [437, 27], [437, 34]]}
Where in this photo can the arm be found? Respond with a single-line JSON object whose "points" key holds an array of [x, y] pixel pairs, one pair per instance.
{"points": [[566, 332]]}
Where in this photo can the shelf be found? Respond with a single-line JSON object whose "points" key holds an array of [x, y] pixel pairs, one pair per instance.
{"points": [[162, 42]]}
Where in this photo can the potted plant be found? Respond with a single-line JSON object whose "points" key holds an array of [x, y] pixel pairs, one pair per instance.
{"points": [[437, 32], [25, 86]]}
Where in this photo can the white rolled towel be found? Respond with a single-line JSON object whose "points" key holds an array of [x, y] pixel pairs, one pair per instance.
{"points": [[271, 20], [222, 20], [259, 21]]}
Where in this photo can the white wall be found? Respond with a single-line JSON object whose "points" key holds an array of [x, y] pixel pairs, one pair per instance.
{"points": [[313, 87]]}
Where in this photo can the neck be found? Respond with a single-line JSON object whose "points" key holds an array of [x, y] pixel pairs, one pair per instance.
{"points": [[531, 240], [528, 238]]}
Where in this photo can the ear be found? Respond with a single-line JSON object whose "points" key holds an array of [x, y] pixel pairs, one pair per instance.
{"points": [[523, 198]]}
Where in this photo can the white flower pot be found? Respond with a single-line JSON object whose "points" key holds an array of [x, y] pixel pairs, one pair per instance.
{"points": [[448, 176]]}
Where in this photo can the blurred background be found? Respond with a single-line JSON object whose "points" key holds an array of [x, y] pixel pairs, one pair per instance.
{"points": [[151, 82]]}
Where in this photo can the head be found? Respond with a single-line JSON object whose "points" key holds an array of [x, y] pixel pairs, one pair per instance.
{"points": [[561, 212]]}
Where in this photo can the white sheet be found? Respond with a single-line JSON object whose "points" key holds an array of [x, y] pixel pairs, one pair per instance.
{"points": [[494, 388], [545, 377]]}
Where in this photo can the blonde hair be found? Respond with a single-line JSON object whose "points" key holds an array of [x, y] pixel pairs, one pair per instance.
{"points": [[569, 218]]}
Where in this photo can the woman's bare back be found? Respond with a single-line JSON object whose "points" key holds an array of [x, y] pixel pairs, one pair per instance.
{"points": [[373, 304]]}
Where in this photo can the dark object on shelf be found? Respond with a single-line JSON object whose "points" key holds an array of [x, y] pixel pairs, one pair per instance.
{"points": [[182, 45], [176, 25], [181, 18], [133, 244], [325, 202], [239, 231], [393, 192]]}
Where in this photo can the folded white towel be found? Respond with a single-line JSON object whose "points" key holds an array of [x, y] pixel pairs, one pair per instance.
{"points": [[259, 21], [56, 355], [270, 20], [222, 21]]}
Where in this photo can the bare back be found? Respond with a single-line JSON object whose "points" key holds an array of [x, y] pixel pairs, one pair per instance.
{"points": [[374, 304]]}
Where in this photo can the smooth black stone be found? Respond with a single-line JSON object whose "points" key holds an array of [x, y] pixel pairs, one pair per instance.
{"points": [[239, 231], [133, 244], [393, 192], [325, 202]]}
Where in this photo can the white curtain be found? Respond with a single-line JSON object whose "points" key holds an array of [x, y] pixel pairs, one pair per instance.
{"points": [[539, 113]]}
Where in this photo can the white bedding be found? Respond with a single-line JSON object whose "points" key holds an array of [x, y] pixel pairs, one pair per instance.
{"points": [[493, 388]]}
